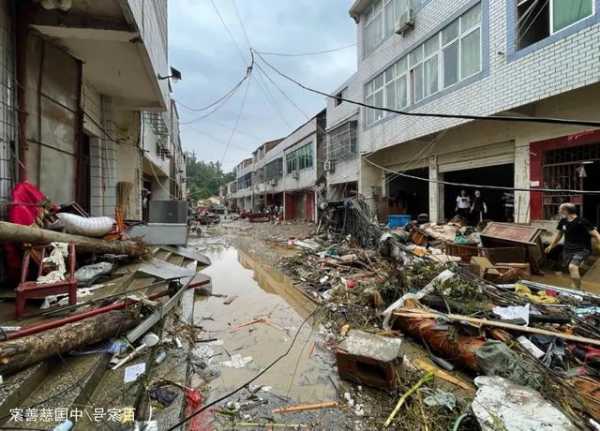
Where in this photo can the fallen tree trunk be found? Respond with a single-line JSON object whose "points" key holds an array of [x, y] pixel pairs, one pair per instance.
{"points": [[34, 235], [20, 353]]}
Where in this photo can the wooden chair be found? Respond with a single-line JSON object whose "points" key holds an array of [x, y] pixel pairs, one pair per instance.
{"points": [[31, 289]]}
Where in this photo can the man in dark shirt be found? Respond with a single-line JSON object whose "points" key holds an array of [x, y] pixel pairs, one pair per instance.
{"points": [[578, 233]]}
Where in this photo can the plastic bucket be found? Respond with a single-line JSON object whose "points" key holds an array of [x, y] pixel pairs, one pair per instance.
{"points": [[398, 220]]}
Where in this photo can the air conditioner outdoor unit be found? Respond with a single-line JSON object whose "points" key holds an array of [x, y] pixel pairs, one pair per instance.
{"points": [[273, 182], [296, 174], [406, 20]]}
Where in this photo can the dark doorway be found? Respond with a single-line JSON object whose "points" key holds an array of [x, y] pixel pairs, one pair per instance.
{"points": [[591, 203], [83, 181], [501, 175], [408, 195]]}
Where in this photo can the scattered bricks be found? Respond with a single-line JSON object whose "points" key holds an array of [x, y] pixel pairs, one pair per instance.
{"points": [[368, 359]]}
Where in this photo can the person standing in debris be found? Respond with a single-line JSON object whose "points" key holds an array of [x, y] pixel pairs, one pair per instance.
{"points": [[578, 233], [463, 204], [478, 208]]}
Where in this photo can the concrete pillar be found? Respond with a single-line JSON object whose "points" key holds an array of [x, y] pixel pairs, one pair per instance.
{"points": [[436, 192], [522, 199], [370, 183]]}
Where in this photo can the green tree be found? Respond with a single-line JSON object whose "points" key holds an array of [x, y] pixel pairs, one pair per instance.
{"points": [[205, 178]]}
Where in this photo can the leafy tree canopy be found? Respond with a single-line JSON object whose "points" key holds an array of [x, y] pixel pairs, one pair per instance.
{"points": [[205, 178]]}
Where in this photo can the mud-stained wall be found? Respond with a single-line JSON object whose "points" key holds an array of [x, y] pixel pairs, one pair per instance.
{"points": [[52, 100]]}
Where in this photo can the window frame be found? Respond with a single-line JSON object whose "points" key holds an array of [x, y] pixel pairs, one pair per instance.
{"points": [[380, 9], [300, 158], [551, 18], [463, 36], [414, 66]]}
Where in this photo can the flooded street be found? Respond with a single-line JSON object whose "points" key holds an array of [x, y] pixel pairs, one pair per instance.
{"points": [[256, 327]]}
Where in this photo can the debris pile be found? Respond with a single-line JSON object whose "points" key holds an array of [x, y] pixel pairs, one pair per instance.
{"points": [[516, 354], [81, 290]]}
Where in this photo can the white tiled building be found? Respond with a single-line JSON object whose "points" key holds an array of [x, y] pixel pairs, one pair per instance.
{"points": [[480, 57]]}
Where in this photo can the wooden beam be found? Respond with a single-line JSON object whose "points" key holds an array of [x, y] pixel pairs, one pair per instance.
{"points": [[34, 235], [412, 313]]}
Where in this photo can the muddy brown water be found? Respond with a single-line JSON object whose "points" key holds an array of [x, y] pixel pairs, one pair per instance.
{"points": [[306, 374]]}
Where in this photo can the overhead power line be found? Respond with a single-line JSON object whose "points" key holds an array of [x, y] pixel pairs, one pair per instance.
{"points": [[223, 100], [237, 121], [306, 54], [216, 102], [482, 186], [502, 118]]}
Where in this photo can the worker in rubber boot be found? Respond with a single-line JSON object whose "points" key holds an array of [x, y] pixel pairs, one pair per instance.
{"points": [[578, 233]]}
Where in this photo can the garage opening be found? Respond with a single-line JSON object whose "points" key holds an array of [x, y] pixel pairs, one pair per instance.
{"points": [[408, 195], [500, 203]]}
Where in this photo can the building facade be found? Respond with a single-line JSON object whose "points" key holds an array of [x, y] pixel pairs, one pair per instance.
{"points": [[479, 57], [95, 119], [284, 173]]}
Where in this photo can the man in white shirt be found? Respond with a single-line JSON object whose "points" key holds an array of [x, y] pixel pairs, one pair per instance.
{"points": [[463, 204]]}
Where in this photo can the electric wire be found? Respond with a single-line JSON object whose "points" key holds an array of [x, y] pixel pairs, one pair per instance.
{"points": [[501, 118], [237, 121], [250, 381], [483, 186], [220, 99], [306, 54]]}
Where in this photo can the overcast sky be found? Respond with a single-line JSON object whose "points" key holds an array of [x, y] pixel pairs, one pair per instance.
{"points": [[202, 50]]}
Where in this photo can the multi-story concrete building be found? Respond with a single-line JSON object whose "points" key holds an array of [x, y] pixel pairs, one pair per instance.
{"points": [[244, 192], [95, 119], [480, 57], [285, 173], [342, 161]]}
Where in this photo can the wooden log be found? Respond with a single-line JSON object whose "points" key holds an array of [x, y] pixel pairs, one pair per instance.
{"points": [[22, 352], [414, 313], [34, 235]]}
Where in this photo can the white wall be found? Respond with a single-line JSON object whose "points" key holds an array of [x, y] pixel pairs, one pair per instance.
{"points": [[569, 63]]}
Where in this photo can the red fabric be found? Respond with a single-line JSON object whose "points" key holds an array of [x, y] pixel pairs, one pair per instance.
{"points": [[202, 421], [26, 205]]}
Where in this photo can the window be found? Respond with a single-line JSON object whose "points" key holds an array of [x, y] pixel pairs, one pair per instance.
{"points": [[299, 159], [450, 45], [446, 58], [274, 169], [431, 66], [342, 142], [539, 19], [375, 92], [380, 19]]}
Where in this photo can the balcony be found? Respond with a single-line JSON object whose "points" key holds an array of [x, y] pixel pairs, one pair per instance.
{"points": [[121, 43]]}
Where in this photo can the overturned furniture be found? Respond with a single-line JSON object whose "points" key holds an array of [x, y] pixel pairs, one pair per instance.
{"points": [[66, 283]]}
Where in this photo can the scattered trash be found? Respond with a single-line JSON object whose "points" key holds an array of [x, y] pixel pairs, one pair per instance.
{"points": [[229, 300], [163, 395], [505, 405], [441, 398], [133, 372], [237, 361], [89, 274]]}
